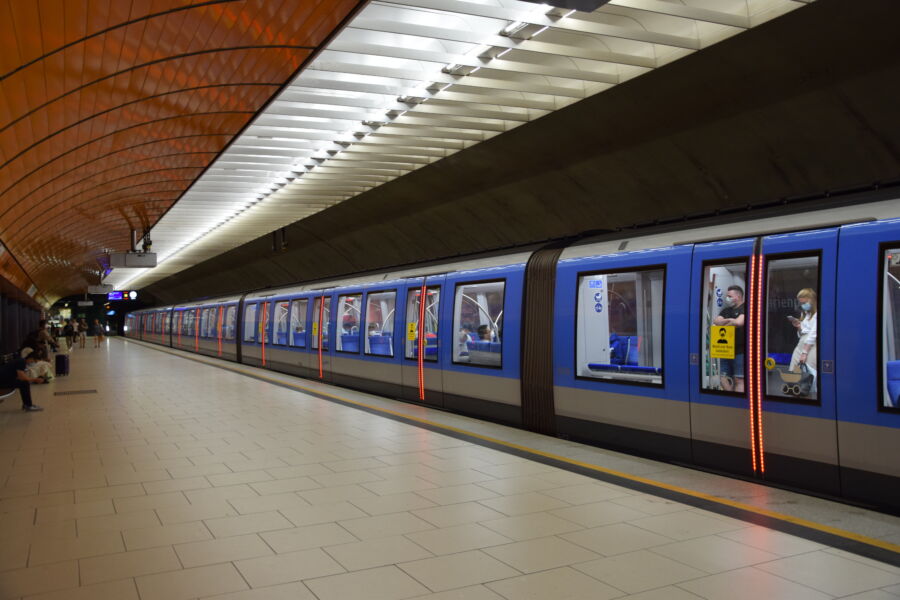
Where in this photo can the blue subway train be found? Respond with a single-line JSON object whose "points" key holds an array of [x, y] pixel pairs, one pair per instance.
{"points": [[767, 348]]}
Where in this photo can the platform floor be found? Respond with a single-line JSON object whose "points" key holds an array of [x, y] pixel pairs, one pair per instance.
{"points": [[170, 479]]}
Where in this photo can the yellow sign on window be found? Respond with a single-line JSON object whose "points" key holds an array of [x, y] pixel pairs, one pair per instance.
{"points": [[721, 341], [412, 331], [315, 329]]}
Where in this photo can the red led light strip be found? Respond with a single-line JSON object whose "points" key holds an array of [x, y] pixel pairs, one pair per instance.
{"points": [[321, 316], [219, 328], [262, 330], [753, 382], [197, 330], [758, 317], [421, 353]]}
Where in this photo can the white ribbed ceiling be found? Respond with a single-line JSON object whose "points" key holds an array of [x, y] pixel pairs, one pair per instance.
{"points": [[409, 82]]}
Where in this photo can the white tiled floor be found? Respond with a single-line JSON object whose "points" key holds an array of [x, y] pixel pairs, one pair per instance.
{"points": [[178, 480]]}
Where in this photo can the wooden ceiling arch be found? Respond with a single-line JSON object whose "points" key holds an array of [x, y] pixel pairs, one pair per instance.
{"points": [[110, 110]]}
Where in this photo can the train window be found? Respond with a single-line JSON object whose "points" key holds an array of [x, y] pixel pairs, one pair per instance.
{"points": [[413, 310], [349, 308], [281, 322], [619, 332], [478, 323], [188, 325], [214, 317], [228, 327], [167, 323], [380, 307], [326, 317], [792, 306], [265, 321], [724, 310], [250, 323], [204, 322], [890, 329], [298, 322]]}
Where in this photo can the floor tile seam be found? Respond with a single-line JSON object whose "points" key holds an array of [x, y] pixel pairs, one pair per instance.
{"points": [[806, 529]]}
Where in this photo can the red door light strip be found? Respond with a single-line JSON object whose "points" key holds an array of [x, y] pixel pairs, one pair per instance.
{"points": [[262, 330], [759, 362], [321, 326], [219, 328], [421, 352], [755, 364]]}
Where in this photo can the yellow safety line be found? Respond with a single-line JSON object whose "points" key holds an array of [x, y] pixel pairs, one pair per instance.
{"points": [[674, 488]]}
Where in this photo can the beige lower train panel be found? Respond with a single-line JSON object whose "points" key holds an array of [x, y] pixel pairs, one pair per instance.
{"points": [[410, 377], [870, 448], [503, 390], [808, 438], [367, 369], [638, 412], [721, 425]]}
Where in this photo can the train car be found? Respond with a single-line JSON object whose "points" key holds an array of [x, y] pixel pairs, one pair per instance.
{"points": [[768, 348]]}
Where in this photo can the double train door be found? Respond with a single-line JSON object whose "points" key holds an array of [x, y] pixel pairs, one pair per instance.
{"points": [[422, 355], [322, 338], [762, 358]]}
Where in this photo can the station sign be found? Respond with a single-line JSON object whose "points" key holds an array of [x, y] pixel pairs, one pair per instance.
{"points": [[122, 295]]}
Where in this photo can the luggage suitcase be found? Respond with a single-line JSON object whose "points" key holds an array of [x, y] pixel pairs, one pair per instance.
{"points": [[62, 364]]}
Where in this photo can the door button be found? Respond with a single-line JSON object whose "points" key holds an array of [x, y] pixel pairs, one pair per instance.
{"points": [[828, 366], [695, 358]]}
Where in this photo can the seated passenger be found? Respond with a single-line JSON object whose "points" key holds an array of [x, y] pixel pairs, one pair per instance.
{"points": [[14, 374], [485, 333], [373, 329]]}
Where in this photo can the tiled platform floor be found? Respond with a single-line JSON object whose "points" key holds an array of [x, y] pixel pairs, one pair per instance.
{"points": [[178, 480]]}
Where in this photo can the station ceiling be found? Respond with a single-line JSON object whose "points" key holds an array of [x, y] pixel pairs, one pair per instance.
{"points": [[111, 109]]}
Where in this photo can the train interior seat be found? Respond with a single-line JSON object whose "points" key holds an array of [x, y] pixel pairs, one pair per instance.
{"points": [[350, 342], [893, 381]]}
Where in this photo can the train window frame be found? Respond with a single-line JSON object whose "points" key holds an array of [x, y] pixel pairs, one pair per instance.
{"points": [[717, 263], [325, 297], [395, 292], [276, 304], [415, 288], [266, 328], [305, 319], [881, 364], [662, 366], [252, 327], [233, 335], [764, 323], [453, 324], [338, 337]]}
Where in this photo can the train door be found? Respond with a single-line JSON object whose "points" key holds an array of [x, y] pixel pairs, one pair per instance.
{"points": [[421, 371], [720, 298], [795, 329], [322, 336]]}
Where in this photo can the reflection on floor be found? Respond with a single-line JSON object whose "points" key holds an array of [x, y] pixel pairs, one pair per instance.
{"points": [[178, 480]]}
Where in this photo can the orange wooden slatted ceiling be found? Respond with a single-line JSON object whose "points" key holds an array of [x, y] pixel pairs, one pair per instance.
{"points": [[110, 109]]}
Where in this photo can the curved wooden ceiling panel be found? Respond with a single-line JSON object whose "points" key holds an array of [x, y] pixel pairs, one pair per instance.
{"points": [[110, 109]]}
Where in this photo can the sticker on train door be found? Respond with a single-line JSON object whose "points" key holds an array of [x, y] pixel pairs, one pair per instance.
{"points": [[315, 329], [723, 341], [412, 331]]}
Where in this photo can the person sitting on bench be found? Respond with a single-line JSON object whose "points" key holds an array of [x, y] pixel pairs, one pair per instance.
{"points": [[14, 375]]}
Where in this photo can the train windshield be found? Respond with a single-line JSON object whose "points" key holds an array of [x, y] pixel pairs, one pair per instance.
{"points": [[298, 322], [890, 323], [478, 323], [430, 324], [380, 308], [792, 328], [724, 318], [620, 324]]}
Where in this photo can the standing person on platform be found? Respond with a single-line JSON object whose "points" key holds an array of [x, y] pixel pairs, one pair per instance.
{"points": [[15, 374], [82, 333], [69, 333], [98, 333]]}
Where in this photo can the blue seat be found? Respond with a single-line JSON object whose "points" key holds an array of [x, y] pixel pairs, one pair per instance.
{"points": [[300, 339], [893, 382], [641, 370], [281, 338], [380, 345], [603, 367], [350, 342], [780, 358]]}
